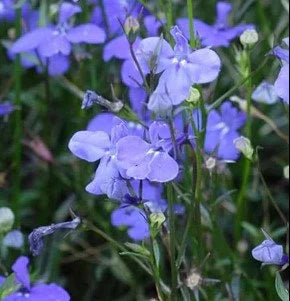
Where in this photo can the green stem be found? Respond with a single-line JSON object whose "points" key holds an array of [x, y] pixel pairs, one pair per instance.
{"points": [[116, 244], [172, 243], [241, 200], [191, 23], [198, 192], [17, 144], [169, 14]]}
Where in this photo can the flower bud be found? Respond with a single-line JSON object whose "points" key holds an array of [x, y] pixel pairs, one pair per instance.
{"points": [[286, 172], [131, 25], [157, 219], [249, 37], [194, 96], [244, 145], [7, 219]]}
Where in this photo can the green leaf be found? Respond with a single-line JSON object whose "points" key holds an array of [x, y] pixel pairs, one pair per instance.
{"points": [[8, 287], [280, 288], [156, 251], [138, 249]]}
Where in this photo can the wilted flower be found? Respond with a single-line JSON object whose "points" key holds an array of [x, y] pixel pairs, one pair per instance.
{"points": [[29, 292], [37, 235], [286, 172], [218, 35]]}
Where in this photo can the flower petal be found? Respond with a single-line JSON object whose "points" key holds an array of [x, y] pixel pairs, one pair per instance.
{"points": [[90, 146], [86, 33]]}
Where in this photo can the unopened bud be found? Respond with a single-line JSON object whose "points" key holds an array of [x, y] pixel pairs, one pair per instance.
{"points": [[249, 37], [194, 96], [157, 219], [131, 25], [244, 145], [7, 219], [286, 172]]}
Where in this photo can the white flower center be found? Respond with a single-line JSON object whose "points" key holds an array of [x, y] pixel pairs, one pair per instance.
{"points": [[223, 127]]}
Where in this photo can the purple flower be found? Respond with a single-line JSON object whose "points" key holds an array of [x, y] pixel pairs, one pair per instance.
{"points": [[282, 82], [45, 292], [6, 108], [93, 146], [53, 40], [181, 67], [222, 130], [146, 160], [270, 253], [265, 93], [218, 35], [133, 218]]}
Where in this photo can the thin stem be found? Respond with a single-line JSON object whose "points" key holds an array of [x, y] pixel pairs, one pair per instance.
{"points": [[17, 137], [172, 243], [191, 23], [241, 200], [219, 101], [116, 244], [198, 191]]}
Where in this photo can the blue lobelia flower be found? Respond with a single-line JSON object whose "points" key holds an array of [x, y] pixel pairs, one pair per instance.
{"points": [[282, 82], [265, 93], [27, 292], [181, 67], [222, 130], [218, 35], [6, 108], [146, 159], [93, 146], [270, 253], [52, 40]]}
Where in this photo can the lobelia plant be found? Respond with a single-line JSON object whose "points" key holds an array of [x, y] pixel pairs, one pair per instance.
{"points": [[165, 151]]}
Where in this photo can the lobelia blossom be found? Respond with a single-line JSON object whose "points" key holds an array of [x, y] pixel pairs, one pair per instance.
{"points": [[6, 108], [7, 10], [27, 292], [93, 146], [265, 93], [146, 160], [134, 218], [56, 41], [180, 68], [222, 130], [270, 253], [282, 83], [218, 35]]}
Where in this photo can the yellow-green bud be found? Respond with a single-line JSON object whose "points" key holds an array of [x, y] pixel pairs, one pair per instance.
{"points": [[244, 145], [7, 219], [194, 96], [249, 37], [157, 219], [286, 172], [131, 25]]}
